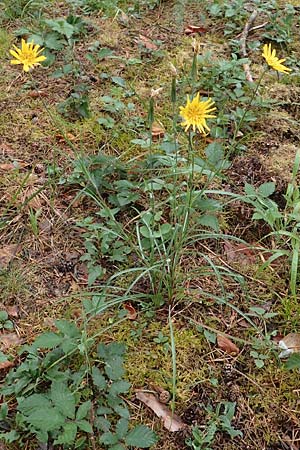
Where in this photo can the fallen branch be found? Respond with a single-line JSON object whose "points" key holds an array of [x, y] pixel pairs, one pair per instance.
{"points": [[243, 44]]}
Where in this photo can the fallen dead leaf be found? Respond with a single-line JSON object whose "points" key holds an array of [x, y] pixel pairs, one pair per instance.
{"points": [[146, 42], [227, 345], [192, 29], [239, 253], [171, 421], [6, 365], [289, 344], [7, 253], [9, 340], [7, 166], [132, 314], [157, 131], [12, 311], [37, 94], [65, 138]]}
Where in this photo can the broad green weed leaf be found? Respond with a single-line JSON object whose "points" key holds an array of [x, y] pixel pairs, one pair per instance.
{"points": [[53, 41], [122, 428], [69, 434], [249, 190], [83, 410], [267, 189], [63, 399], [141, 437], [98, 379], [114, 368], [109, 438], [209, 221], [34, 402], [47, 340], [84, 425], [61, 26], [46, 419], [122, 411], [293, 362], [119, 387], [119, 81], [67, 328]]}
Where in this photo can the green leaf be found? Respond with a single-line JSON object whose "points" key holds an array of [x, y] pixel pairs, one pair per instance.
{"points": [[3, 357], [46, 419], [47, 340], [102, 424], [104, 52], [119, 387], [119, 81], [3, 411], [69, 434], [267, 189], [83, 410], [67, 328], [53, 41], [36, 38], [109, 438], [210, 336], [84, 425], [98, 379], [3, 316], [95, 273], [34, 402], [293, 362], [122, 428], [117, 447], [141, 437], [114, 368], [122, 411], [249, 190], [63, 399], [61, 26], [209, 221], [9, 437]]}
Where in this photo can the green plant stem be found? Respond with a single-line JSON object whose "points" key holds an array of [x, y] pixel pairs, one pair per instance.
{"points": [[240, 123]]}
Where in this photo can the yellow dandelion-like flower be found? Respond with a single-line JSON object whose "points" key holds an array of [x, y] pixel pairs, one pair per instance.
{"points": [[270, 56], [29, 55], [196, 112]]}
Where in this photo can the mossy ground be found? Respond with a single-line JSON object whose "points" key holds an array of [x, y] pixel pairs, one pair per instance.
{"points": [[35, 152]]}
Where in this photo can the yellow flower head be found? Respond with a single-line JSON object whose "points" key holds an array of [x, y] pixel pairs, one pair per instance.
{"points": [[29, 55], [196, 112], [273, 61]]}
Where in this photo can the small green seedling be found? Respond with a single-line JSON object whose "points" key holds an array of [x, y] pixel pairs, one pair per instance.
{"points": [[5, 323]]}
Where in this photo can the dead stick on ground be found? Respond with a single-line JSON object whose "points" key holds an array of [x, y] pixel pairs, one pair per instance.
{"points": [[243, 44]]}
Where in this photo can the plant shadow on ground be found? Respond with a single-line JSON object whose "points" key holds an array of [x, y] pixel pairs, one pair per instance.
{"points": [[49, 165]]}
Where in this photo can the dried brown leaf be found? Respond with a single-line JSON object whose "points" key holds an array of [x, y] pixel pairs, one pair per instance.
{"points": [[146, 42], [239, 253], [6, 365], [192, 29], [9, 340], [157, 131], [171, 422], [12, 311], [289, 344], [132, 314], [227, 345], [7, 253]]}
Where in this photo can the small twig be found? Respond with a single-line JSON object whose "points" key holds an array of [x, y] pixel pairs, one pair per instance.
{"points": [[243, 44], [257, 27]]}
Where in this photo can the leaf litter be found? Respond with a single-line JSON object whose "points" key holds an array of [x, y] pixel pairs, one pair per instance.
{"points": [[172, 422]]}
